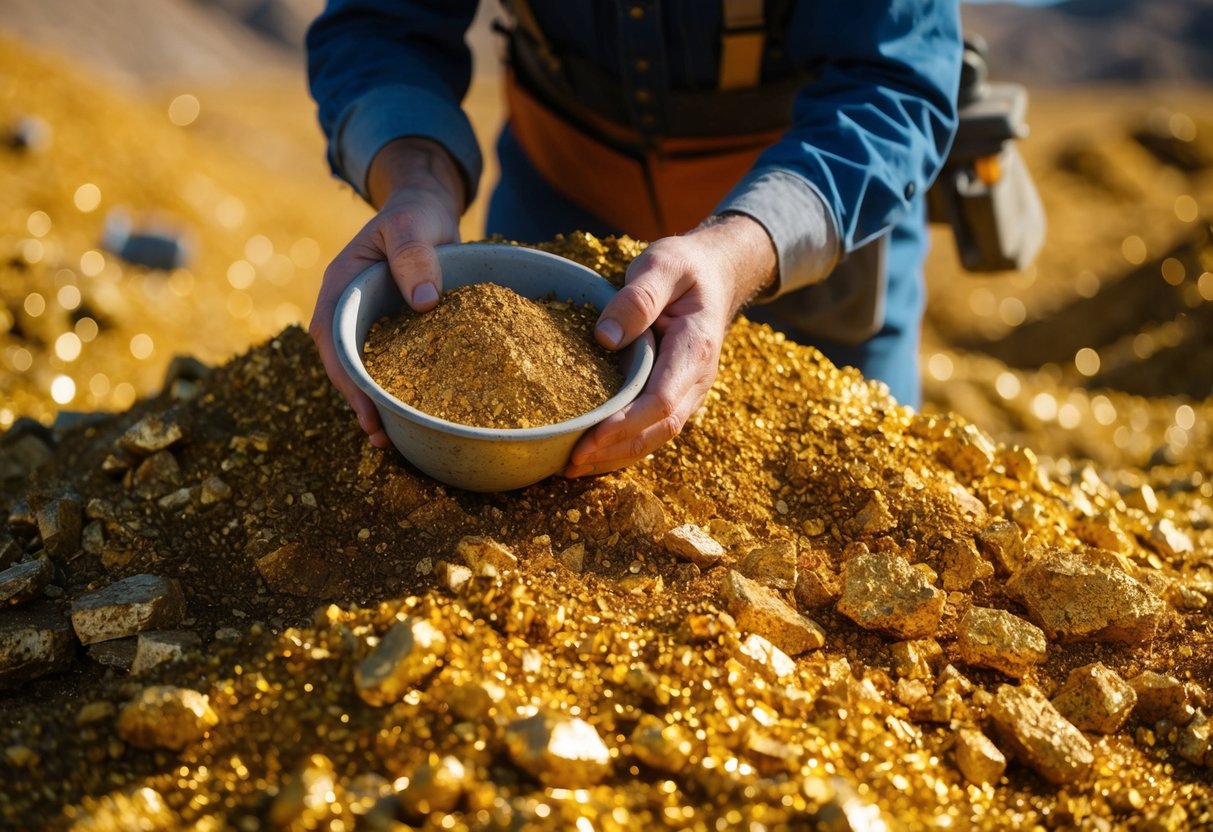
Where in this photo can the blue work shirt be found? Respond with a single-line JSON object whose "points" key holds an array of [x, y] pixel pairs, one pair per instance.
{"points": [[869, 131]]}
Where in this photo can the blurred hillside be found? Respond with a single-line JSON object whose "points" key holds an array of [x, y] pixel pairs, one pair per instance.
{"points": [[1098, 41]]}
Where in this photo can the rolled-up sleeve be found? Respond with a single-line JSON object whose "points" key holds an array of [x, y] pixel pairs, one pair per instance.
{"points": [[870, 131], [386, 69]]}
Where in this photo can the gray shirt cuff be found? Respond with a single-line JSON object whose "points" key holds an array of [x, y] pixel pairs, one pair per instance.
{"points": [[798, 219], [396, 112]]}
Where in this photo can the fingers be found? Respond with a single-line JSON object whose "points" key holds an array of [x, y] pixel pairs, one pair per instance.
{"points": [[682, 376], [654, 279], [414, 266]]}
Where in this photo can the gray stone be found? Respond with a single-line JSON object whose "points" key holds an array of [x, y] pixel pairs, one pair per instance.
{"points": [[561, 751], [92, 539], [118, 653], [693, 544], [60, 523], [165, 716], [757, 609], [772, 565], [1073, 597], [158, 647], [22, 519], [407, 653], [25, 581], [130, 606], [1038, 736], [995, 638], [34, 641], [150, 434], [881, 591]]}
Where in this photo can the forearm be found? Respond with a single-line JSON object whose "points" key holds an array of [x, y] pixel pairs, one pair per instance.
{"points": [[418, 164]]}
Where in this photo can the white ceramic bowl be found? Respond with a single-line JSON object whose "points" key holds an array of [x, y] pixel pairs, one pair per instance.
{"points": [[482, 459]]}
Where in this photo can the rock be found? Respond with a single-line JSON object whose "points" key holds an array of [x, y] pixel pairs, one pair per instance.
{"points": [[968, 505], [95, 712], [176, 500], [995, 638], [407, 653], [660, 745], [165, 716], [298, 570], [25, 581], [1073, 598], [150, 434], [1142, 497], [10, 551], [915, 659], [1019, 463], [757, 609], [1095, 698], [92, 539], [639, 513], [1169, 541], [962, 565], [158, 647], [881, 591], [1038, 736], [573, 558], [126, 607], [874, 518], [22, 520], [759, 654], [118, 653], [817, 587], [435, 787], [476, 551], [1195, 741], [34, 641], [157, 475], [693, 544], [60, 523], [214, 490], [1002, 542], [23, 454], [474, 700], [772, 565], [304, 798], [968, 452], [560, 751], [979, 760], [453, 576], [186, 368], [1162, 697]]}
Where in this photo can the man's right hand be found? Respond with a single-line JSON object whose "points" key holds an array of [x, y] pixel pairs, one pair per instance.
{"points": [[419, 192]]}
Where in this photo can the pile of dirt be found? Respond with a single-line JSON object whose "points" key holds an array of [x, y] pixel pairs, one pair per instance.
{"points": [[722, 634]]}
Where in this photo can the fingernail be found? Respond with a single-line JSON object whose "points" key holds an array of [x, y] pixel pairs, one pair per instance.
{"points": [[424, 294], [610, 331], [577, 471]]}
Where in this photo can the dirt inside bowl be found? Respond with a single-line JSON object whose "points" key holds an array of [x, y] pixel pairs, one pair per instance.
{"points": [[488, 357]]}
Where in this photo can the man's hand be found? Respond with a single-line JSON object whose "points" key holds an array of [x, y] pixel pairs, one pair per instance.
{"points": [[420, 194], [688, 288]]}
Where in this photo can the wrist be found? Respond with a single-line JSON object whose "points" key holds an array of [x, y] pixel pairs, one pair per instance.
{"points": [[745, 248], [416, 164]]}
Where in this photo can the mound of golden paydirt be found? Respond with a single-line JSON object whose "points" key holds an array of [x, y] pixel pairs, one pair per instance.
{"points": [[813, 607], [80, 327]]}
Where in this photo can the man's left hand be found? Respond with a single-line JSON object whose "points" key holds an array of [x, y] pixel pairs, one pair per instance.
{"points": [[688, 288]]}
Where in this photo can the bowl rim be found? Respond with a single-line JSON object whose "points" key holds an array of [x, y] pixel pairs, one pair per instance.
{"points": [[349, 353]]}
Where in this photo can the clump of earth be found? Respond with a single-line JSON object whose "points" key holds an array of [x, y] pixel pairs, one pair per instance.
{"points": [[227, 610]]}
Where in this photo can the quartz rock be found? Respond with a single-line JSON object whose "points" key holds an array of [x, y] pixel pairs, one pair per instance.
{"points": [[759, 654], [995, 638], [874, 518], [1162, 697], [692, 543], [453, 576], [1074, 598], [772, 565], [1095, 698], [149, 435], [153, 649], [881, 591], [157, 475], [561, 751], [127, 607], [968, 452], [1142, 497], [25, 581], [1038, 736], [34, 641], [60, 523], [408, 652], [1002, 542], [979, 760], [660, 745], [962, 565], [435, 787], [1169, 541], [92, 539], [758, 609], [165, 716], [476, 551]]}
